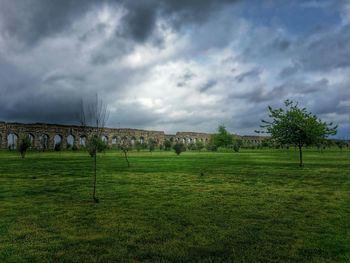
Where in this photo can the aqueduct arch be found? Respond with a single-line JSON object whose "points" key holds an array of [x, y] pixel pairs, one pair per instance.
{"points": [[12, 140], [43, 135]]}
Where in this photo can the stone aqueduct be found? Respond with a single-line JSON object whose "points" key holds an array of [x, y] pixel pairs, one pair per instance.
{"points": [[46, 136]]}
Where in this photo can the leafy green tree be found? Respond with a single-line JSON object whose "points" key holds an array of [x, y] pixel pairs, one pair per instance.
{"points": [[24, 145], [222, 138], [138, 146], [199, 145], [212, 147], [237, 145], [95, 145], [191, 146], [167, 145], [296, 126], [179, 148], [152, 145]]}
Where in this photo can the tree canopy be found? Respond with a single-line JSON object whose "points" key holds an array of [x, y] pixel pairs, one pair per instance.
{"points": [[296, 126], [222, 138]]}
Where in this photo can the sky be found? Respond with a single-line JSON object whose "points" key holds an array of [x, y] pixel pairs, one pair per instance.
{"points": [[175, 65]]}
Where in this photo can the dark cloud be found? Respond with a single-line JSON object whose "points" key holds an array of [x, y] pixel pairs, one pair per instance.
{"points": [[53, 79], [113, 48], [254, 73], [284, 91], [207, 86], [282, 44], [47, 108], [184, 79], [134, 115], [32, 20], [326, 51], [288, 72]]}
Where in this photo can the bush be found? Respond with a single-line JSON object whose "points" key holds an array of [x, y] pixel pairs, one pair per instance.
{"points": [[74, 148], [138, 146], [152, 145], [58, 147], [212, 147], [24, 146], [199, 145], [191, 146], [236, 147], [167, 145], [179, 148], [95, 144]]}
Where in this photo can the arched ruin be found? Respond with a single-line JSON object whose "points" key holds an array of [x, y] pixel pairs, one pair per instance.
{"points": [[45, 136]]}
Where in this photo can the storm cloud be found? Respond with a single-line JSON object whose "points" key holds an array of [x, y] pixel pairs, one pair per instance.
{"points": [[174, 65]]}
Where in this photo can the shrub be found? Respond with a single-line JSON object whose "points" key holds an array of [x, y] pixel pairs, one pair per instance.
{"points": [[24, 146], [138, 146], [58, 147], [167, 145], [74, 148], [179, 148], [152, 145], [236, 147], [212, 147], [222, 138], [95, 144], [191, 146], [199, 145]]}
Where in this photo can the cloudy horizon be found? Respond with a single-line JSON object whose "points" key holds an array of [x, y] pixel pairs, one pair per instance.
{"points": [[175, 65]]}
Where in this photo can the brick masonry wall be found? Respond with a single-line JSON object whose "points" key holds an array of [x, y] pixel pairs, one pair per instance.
{"points": [[112, 135]]}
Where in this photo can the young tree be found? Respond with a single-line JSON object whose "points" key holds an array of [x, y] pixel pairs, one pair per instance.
{"points": [[58, 147], [211, 147], [179, 148], [24, 145], [167, 145], [138, 146], [93, 117], [125, 147], [191, 146], [296, 126], [199, 145], [95, 144], [223, 138], [152, 144]]}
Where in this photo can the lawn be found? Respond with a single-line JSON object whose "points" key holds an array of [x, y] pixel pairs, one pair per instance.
{"points": [[252, 206]]}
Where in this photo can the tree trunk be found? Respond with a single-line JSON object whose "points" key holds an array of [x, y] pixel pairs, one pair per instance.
{"points": [[95, 174], [126, 158], [300, 156]]}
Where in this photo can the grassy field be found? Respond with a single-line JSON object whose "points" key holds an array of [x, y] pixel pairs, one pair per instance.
{"points": [[252, 206]]}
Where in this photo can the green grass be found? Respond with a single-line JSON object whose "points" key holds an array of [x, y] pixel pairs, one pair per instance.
{"points": [[252, 206]]}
